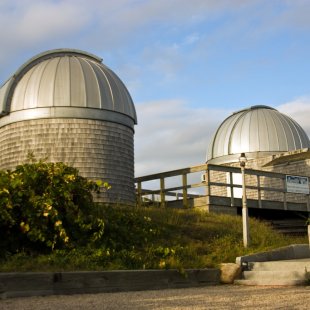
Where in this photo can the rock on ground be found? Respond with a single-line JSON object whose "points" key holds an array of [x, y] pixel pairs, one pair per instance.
{"points": [[230, 272]]}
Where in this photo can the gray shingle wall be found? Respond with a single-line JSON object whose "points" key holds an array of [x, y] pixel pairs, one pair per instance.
{"points": [[301, 167], [100, 150]]}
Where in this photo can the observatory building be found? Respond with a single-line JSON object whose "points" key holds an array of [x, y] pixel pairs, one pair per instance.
{"points": [[270, 140], [67, 106]]}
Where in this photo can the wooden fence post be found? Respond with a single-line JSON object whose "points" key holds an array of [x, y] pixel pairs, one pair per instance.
{"points": [[231, 184], [284, 194], [309, 233], [207, 181], [259, 194], [184, 184], [208, 189], [139, 195], [162, 192]]}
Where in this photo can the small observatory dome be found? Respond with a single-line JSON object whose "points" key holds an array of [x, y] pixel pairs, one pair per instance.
{"points": [[257, 131], [67, 106]]}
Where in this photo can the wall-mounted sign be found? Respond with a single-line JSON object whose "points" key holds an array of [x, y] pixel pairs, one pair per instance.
{"points": [[297, 184]]}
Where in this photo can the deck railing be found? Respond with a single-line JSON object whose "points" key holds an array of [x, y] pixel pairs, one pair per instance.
{"points": [[218, 180]]}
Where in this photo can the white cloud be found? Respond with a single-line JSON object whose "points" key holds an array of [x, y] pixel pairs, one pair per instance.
{"points": [[172, 135], [166, 62], [295, 14], [32, 26], [35, 21], [299, 110]]}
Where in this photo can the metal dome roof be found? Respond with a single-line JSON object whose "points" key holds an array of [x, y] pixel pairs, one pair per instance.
{"points": [[256, 131], [66, 83]]}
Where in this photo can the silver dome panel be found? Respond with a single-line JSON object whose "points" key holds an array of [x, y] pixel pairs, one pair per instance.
{"points": [[257, 131]]}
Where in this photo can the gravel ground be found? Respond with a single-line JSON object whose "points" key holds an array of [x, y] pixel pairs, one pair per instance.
{"points": [[212, 297]]}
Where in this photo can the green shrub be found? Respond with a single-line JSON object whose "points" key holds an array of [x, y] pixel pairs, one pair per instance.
{"points": [[44, 206]]}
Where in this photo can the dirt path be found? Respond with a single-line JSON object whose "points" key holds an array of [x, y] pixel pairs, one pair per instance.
{"points": [[214, 297]]}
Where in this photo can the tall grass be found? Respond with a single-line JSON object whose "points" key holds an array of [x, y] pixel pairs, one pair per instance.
{"points": [[216, 238], [149, 238]]}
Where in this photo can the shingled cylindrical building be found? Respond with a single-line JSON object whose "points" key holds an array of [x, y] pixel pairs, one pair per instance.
{"points": [[69, 107]]}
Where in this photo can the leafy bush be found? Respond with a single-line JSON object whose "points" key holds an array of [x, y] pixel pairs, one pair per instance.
{"points": [[44, 206]]}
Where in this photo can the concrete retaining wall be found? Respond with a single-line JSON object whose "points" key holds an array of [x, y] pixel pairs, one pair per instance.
{"points": [[26, 284]]}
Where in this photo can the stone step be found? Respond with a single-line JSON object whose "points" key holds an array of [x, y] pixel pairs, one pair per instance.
{"points": [[275, 275], [274, 282], [298, 265]]}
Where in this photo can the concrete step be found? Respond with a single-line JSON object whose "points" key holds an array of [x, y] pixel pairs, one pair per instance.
{"points": [[274, 275], [285, 272], [274, 282], [284, 265]]}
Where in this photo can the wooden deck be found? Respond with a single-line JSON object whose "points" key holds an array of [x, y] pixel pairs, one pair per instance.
{"points": [[264, 190]]}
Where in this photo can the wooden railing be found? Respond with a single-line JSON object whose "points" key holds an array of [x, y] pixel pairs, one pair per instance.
{"points": [[162, 192], [216, 183]]}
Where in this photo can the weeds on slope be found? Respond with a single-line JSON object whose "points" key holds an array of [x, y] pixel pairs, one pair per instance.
{"points": [[155, 238]]}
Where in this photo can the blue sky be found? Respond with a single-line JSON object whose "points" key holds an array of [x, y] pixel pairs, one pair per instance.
{"points": [[187, 64]]}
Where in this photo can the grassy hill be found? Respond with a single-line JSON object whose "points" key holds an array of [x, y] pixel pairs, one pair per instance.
{"points": [[152, 238]]}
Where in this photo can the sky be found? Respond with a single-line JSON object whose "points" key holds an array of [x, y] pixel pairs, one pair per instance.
{"points": [[187, 64]]}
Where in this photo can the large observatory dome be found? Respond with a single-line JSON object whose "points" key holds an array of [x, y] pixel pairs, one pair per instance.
{"points": [[66, 83], [257, 131], [66, 106]]}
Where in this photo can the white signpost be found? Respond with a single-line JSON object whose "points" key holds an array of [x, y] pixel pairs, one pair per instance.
{"points": [[297, 184]]}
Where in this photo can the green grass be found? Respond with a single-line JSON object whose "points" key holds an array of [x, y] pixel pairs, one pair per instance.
{"points": [[151, 238]]}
